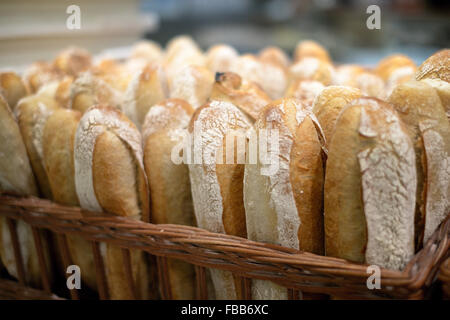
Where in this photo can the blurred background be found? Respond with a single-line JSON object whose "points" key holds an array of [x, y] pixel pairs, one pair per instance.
{"points": [[32, 30]]}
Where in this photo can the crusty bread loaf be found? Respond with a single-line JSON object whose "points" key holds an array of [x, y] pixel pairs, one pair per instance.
{"points": [[352, 75], [370, 187], [72, 61], [32, 113], [220, 58], [419, 106], [191, 83], [147, 88], [38, 74], [311, 68], [12, 88], [169, 183], [216, 183], [16, 177], [147, 50], [305, 91], [283, 198], [58, 141], [272, 78], [309, 48], [275, 56], [329, 103], [110, 176], [245, 95], [88, 90], [435, 71], [387, 66]]}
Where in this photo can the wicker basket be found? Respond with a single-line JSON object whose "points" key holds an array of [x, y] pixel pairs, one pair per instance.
{"points": [[247, 259]]}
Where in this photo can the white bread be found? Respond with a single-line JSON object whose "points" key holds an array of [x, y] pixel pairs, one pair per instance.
{"points": [[245, 95], [217, 186], [419, 106], [370, 187], [110, 176], [191, 83], [283, 199], [220, 58], [180, 52], [169, 183]]}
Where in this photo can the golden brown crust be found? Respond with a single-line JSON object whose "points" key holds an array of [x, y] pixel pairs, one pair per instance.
{"points": [[245, 95], [305, 90], [12, 88], [308, 48], [40, 73], [275, 56], [329, 103], [388, 65], [72, 61], [311, 68], [436, 66]]}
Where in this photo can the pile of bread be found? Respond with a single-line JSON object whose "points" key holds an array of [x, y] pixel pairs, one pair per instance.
{"points": [[363, 154]]}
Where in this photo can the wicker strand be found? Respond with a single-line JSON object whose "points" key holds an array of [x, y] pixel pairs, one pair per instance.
{"points": [[129, 273], [202, 289], [17, 251], [100, 271], [41, 258]]}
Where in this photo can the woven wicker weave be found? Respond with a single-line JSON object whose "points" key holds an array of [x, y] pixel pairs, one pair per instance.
{"points": [[248, 259]]}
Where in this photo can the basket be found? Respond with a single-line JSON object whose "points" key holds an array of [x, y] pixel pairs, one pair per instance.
{"points": [[444, 277], [299, 272]]}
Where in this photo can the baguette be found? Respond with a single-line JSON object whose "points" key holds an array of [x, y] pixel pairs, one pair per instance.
{"points": [[275, 56], [217, 186], [220, 58], [311, 49], [283, 205], [12, 88], [245, 95], [305, 90], [311, 68], [72, 61], [391, 64], [329, 103], [169, 182], [58, 140], [370, 187], [419, 107], [110, 176]]}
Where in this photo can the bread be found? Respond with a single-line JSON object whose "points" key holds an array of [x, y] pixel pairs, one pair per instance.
{"points": [[147, 50], [419, 107], [146, 89], [275, 56], [32, 114], [311, 49], [283, 198], [58, 142], [435, 71], [387, 66], [110, 176], [115, 73], [88, 90], [372, 85], [310, 68], [329, 104], [191, 83], [169, 184], [220, 58], [346, 74], [217, 184], [272, 78], [305, 91], [182, 51], [370, 187], [12, 88], [16, 177], [40, 73], [245, 95], [73, 61]]}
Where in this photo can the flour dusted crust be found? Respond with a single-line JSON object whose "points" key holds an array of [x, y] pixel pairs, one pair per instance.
{"points": [[12, 88], [147, 50], [305, 90], [272, 78], [275, 56], [419, 106], [311, 68], [285, 207], [388, 65], [73, 61], [182, 51], [245, 95], [436, 67], [193, 84], [372, 156], [220, 58], [217, 187], [38, 74], [328, 105], [147, 88], [88, 90]]}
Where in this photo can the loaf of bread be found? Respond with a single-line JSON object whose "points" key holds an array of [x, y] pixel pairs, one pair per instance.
{"points": [[245, 95], [220, 58], [275, 56], [420, 108], [40, 73], [283, 191], [217, 178], [168, 179], [435, 71], [72, 61], [329, 104], [32, 113], [110, 176], [146, 89], [370, 187], [305, 90], [180, 52], [311, 68], [16, 177], [311, 49], [12, 88], [191, 83], [58, 142], [356, 76]]}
